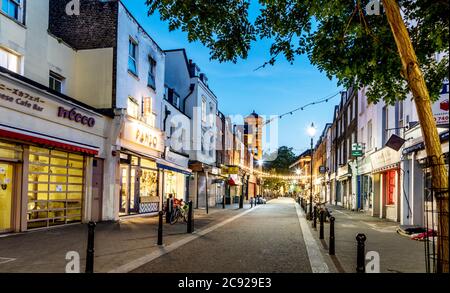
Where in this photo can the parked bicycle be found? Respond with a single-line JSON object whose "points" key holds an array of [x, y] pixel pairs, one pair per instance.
{"points": [[321, 206], [179, 212]]}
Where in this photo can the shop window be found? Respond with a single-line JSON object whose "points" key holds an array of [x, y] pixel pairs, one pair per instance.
{"points": [[55, 188], [390, 187], [9, 60], [10, 151]]}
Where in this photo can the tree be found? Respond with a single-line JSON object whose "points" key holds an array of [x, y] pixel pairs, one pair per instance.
{"points": [[391, 54], [279, 166], [283, 159]]}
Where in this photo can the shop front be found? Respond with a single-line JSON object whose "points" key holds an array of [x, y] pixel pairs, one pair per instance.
{"points": [[386, 166], [343, 188], [48, 144], [139, 176], [176, 175], [252, 184], [365, 184]]}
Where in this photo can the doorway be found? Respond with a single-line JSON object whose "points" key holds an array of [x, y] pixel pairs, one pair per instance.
{"points": [[97, 190], [6, 197], [129, 200]]}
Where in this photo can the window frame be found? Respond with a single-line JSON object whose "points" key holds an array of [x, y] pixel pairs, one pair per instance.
{"points": [[56, 77], [134, 59], [152, 72], [20, 5], [9, 55]]}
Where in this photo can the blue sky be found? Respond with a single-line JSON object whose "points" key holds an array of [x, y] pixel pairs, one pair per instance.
{"points": [[240, 89]]}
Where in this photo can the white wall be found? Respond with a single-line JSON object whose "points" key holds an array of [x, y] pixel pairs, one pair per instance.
{"points": [[129, 85]]}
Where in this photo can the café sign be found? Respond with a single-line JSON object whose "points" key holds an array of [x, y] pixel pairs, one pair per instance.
{"points": [[144, 135]]}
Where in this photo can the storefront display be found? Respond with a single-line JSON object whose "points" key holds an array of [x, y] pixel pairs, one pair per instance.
{"points": [[139, 186], [47, 147], [55, 187]]}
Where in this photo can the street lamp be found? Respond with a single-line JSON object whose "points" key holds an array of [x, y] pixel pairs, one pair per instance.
{"points": [[311, 132], [298, 172]]}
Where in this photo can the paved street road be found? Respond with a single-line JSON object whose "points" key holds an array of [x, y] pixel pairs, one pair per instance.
{"points": [[267, 239]]}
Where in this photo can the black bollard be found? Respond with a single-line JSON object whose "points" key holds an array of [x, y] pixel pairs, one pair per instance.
{"points": [[90, 248], [321, 229], [360, 254], [331, 248], [223, 202], [160, 228], [190, 223], [168, 211], [314, 214], [251, 202]]}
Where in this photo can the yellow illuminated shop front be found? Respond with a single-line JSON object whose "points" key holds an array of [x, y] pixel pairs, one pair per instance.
{"points": [[55, 187]]}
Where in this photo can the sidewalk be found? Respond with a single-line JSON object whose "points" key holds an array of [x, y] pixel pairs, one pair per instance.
{"points": [[116, 243], [398, 254]]}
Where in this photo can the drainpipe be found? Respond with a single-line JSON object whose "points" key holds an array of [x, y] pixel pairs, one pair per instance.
{"points": [[191, 90]]}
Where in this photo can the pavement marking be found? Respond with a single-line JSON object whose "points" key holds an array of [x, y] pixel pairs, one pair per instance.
{"points": [[316, 260], [128, 267], [4, 260]]}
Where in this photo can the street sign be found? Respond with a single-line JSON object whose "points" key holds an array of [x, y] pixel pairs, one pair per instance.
{"points": [[357, 150]]}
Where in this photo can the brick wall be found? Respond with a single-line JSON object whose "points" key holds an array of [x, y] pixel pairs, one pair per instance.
{"points": [[95, 27]]}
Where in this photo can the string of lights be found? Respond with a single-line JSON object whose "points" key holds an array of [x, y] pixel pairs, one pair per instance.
{"points": [[302, 108]]}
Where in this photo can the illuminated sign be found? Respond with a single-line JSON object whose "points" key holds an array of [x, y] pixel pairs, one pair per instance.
{"points": [[144, 135]]}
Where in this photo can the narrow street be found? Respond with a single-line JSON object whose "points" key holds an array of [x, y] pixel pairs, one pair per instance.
{"points": [[266, 240]]}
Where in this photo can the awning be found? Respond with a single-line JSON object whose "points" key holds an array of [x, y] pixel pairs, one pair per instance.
{"points": [[386, 168], [53, 143], [163, 164], [234, 181]]}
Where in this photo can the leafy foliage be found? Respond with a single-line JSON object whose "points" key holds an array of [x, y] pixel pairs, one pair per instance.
{"points": [[337, 35], [285, 157]]}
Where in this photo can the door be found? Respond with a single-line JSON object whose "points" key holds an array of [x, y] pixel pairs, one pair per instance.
{"points": [[6, 197], [97, 190], [133, 207], [124, 189]]}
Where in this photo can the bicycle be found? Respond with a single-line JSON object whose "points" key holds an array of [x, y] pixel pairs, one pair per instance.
{"points": [[179, 213], [322, 207]]}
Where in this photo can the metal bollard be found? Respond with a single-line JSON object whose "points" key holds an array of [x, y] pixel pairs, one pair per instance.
{"points": [[251, 202], [160, 228], [190, 223], [331, 248], [90, 248], [168, 211], [360, 254], [223, 202], [321, 229], [314, 214]]}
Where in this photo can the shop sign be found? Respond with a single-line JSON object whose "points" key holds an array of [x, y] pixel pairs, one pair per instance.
{"points": [[176, 158], [29, 101], [384, 157], [144, 135], [73, 115], [17, 97], [441, 107], [344, 170]]}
